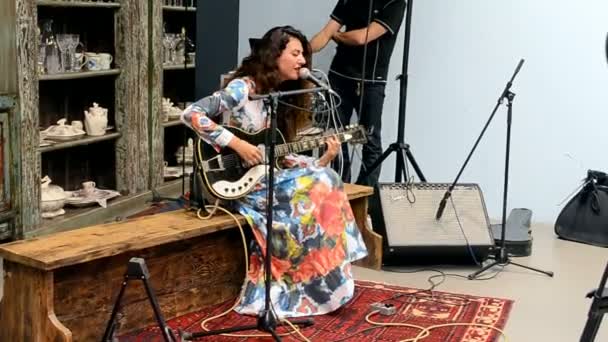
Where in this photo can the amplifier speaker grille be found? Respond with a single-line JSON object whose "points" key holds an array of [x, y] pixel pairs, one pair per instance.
{"points": [[405, 216]]}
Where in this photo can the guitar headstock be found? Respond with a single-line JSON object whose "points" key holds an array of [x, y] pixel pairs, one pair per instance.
{"points": [[354, 134]]}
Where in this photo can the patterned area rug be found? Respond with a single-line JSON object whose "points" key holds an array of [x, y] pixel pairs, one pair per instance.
{"points": [[417, 307]]}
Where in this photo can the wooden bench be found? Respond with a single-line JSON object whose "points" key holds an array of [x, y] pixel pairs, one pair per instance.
{"points": [[62, 287]]}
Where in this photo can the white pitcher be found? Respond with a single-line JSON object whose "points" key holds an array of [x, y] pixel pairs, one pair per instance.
{"points": [[96, 120]]}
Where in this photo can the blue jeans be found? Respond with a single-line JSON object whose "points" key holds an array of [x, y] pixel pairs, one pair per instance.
{"points": [[370, 117]]}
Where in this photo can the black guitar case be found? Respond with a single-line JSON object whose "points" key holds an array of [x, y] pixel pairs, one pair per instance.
{"points": [[518, 234], [585, 217]]}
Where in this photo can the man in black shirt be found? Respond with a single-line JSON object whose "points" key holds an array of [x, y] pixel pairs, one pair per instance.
{"points": [[346, 76]]}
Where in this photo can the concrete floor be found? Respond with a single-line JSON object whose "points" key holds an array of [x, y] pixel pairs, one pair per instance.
{"points": [[545, 309]]}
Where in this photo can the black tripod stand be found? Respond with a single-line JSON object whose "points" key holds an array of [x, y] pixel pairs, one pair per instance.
{"points": [[501, 256], [400, 147], [137, 270], [267, 322]]}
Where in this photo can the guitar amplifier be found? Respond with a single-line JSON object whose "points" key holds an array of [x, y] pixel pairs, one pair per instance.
{"points": [[405, 217]]}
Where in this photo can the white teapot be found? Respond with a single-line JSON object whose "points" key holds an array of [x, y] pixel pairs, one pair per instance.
{"points": [[96, 120]]}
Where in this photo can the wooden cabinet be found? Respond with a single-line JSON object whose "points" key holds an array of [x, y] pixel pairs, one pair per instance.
{"points": [[118, 160], [130, 157], [173, 79], [9, 139]]}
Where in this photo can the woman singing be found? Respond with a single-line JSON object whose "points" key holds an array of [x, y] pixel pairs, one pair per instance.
{"points": [[315, 237]]}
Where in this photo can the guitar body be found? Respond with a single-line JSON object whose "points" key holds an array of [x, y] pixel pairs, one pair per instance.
{"points": [[226, 177], [224, 174]]}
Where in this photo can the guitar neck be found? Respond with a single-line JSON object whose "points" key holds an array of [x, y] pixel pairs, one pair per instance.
{"points": [[304, 145]]}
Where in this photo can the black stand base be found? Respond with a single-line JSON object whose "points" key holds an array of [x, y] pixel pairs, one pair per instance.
{"points": [[400, 147], [403, 153], [599, 307], [266, 323], [137, 270], [501, 258]]}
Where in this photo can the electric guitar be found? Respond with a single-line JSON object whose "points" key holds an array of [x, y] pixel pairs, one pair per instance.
{"points": [[227, 177]]}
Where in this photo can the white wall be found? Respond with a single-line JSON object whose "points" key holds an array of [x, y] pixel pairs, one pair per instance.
{"points": [[310, 16], [461, 56], [257, 17]]}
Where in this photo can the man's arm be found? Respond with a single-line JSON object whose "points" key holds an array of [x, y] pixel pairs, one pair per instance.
{"points": [[358, 37], [320, 40]]}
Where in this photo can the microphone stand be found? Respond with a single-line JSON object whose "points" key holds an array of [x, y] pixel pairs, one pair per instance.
{"points": [[503, 95], [501, 256], [267, 322]]}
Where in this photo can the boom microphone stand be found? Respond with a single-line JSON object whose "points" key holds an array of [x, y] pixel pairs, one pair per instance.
{"points": [[501, 256], [400, 147], [267, 322]]}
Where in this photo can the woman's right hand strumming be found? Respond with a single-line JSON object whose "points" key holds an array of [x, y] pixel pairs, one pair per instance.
{"points": [[248, 153]]}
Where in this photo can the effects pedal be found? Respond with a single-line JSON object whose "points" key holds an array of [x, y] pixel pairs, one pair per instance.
{"points": [[384, 309]]}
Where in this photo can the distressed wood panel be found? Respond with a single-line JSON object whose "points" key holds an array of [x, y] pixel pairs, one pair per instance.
{"points": [[8, 48], [27, 119], [14, 164], [97, 242], [132, 50], [157, 132], [26, 311], [186, 276]]}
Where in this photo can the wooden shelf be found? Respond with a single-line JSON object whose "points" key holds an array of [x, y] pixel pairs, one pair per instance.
{"points": [[179, 9], [63, 3], [176, 183], [117, 209], [76, 75], [178, 66], [87, 140], [170, 123]]}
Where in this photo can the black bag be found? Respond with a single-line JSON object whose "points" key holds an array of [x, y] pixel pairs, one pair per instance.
{"points": [[585, 217]]}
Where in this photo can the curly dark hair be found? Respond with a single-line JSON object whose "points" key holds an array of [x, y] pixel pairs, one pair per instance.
{"points": [[261, 66]]}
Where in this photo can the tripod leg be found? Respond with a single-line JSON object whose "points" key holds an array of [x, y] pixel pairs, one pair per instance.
{"points": [[275, 335], [483, 269], [378, 161], [549, 273], [400, 167], [107, 335], [410, 157], [166, 332], [187, 336], [591, 327]]}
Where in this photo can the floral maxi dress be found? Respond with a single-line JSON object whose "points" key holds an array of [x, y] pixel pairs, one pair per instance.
{"points": [[315, 237]]}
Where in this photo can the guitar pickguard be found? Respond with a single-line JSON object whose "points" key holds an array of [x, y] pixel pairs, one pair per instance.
{"points": [[243, 186]]}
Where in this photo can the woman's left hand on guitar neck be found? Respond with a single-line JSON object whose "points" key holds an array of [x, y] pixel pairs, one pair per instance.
{"points": [[333, 147]]}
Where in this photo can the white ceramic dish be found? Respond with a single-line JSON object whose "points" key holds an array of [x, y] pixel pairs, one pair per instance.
{"points": [[62, 132], [79, 198]]}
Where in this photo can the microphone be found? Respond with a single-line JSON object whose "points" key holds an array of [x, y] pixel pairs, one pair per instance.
{"points": [[442, 205], [305, 74]]}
